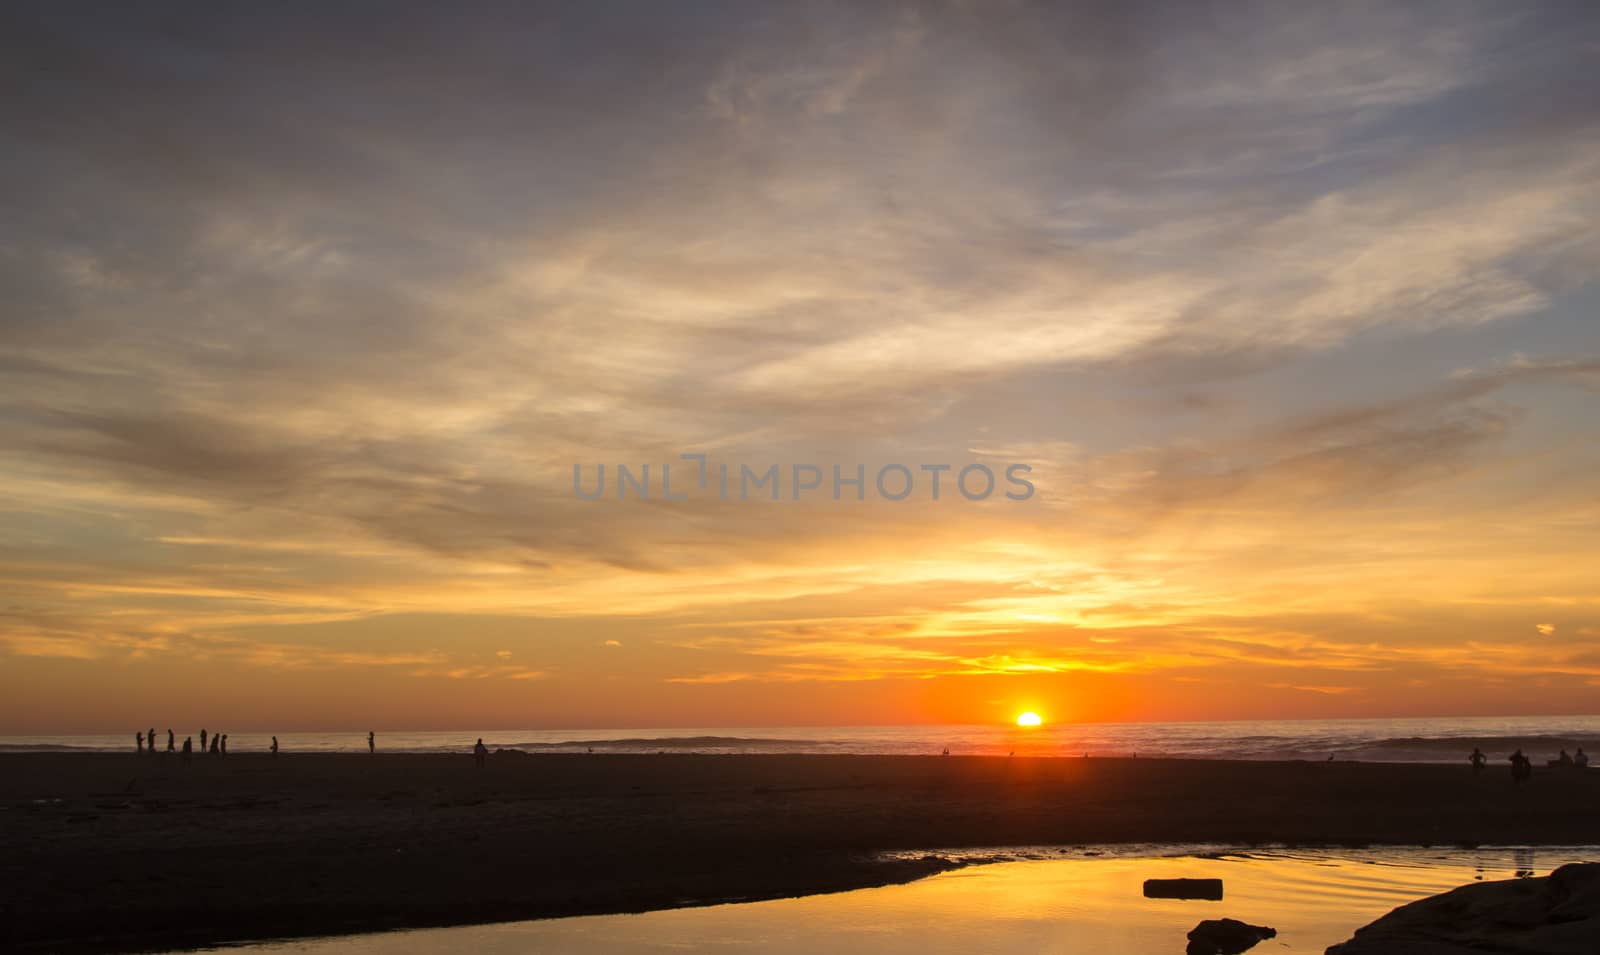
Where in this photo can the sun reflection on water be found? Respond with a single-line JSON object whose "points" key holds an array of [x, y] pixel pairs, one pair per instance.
{"points": [[1087, 903]]}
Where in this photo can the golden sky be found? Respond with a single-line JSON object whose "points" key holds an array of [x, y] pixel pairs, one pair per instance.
{"points": [[308, 317]]}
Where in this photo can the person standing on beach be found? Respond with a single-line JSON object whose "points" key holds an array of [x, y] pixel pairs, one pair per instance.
{"points": [[151, 736], [274, 746], [202, 739], [138, 741], [480, 752], [223, 749], [188, 747], [215, 742], [372, 742], [1478, 759], [1521, 767], [171, 747]]}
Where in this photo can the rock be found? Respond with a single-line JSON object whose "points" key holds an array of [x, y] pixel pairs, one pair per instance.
{"points": [[1183, 889], [1226, 937], [1555, 915]]}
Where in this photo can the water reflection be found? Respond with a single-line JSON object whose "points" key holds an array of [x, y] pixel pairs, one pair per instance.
{"points": [[1083, 904], [1524, 861]]}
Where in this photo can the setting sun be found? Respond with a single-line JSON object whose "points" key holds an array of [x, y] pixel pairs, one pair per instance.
{"points": [[1029, 719]]}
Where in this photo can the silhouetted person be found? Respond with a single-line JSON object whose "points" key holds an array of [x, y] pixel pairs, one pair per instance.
{"points": [[223, 750], [480, 752], [202, 739], [151, 736], [1478, 759], [372, 742], [215, 742], [1521, 767], [170, 741], [274, 746], [1581, 759], [1564, 760], [138, 741], [188, 747]]}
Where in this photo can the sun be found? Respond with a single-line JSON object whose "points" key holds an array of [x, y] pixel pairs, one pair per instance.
{"points": [[1029, 719]]}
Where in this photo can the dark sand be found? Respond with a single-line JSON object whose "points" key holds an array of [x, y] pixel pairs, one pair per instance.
{"points": [[120, 852]]}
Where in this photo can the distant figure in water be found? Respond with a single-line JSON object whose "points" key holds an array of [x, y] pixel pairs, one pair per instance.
{"points": [[372, 742], [274, 746], [224, 748], [138, 741], [480, 752], [1521, 767], [170, 742], [202, 739], [1478, 760], [1581, 760], [946, 751], [188, 747], [216, 741]]}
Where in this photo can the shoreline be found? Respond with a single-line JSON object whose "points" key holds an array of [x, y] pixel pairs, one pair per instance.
{"points": [[117, 852]]}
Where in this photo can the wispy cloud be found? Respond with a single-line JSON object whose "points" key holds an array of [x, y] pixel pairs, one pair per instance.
{"points": [[1289, 310]]}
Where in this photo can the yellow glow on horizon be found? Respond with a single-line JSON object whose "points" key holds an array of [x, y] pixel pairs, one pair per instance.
{"points": [[1029, 718]]}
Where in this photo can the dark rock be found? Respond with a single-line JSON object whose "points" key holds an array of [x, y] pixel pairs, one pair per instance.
{"points": [[1183, 889], [1556, 915], [1226, 937]]}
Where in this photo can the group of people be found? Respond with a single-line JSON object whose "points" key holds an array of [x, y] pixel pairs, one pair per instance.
{"points": [[1579, 761], [219, 743], [141, 739], [1522, 766], [218, 747]]}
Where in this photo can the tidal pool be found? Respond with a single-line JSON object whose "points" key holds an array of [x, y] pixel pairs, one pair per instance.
{"points": [[1066, 901]]}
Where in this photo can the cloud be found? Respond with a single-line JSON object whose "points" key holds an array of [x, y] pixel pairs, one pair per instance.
{"points": [[308, 319], [481, 673], [1324, 690]]}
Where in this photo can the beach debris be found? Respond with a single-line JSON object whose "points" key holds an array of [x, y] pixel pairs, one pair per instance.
{"points": [[1207, 889], [1555, 915], [1226, 937]]}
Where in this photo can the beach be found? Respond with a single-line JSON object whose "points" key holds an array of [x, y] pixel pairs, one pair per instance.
{"points": [[110, 852]]}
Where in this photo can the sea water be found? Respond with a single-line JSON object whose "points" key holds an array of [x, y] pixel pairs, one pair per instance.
{"points": [[1446, 740]]}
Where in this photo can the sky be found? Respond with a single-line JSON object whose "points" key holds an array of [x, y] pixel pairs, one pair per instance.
{"points": [[311, 311]]}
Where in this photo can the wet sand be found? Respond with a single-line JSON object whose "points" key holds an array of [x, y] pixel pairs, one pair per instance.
{"points": [[119, 852]]}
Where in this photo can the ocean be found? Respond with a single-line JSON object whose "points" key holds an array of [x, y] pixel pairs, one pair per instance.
{"points": [[1419, 740]]}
